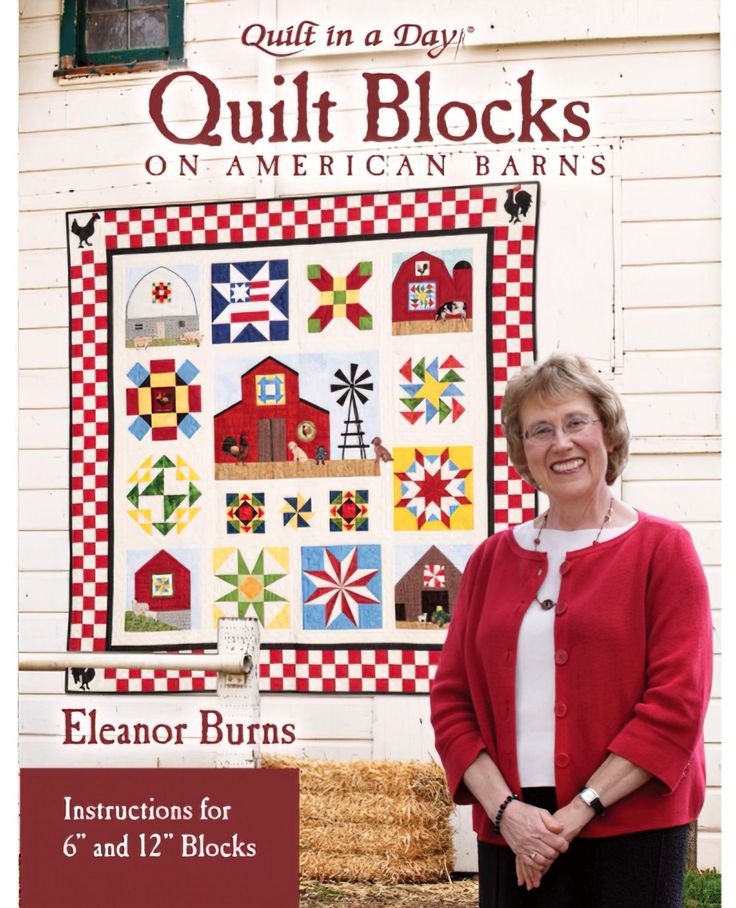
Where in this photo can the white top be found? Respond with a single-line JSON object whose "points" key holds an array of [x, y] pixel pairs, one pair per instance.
{"points": [[535, 654]]}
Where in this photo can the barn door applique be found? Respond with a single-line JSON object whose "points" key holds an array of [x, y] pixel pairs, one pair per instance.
{"points": [[290, 409]]}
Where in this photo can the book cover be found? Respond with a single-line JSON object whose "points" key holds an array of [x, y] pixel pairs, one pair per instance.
{"points": [[276, 268]]}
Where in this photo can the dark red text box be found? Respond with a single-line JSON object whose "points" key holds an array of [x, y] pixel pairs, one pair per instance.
{"points": [[156, 856]]}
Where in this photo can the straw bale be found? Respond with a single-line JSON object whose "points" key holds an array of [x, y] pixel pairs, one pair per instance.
{"points": [[367, 808], [358, 838], [373, 821], [324, 865]]}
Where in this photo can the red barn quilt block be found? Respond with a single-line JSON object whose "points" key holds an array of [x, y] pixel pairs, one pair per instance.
{"points": [[432, 293], [161, 594], [216, 483]]}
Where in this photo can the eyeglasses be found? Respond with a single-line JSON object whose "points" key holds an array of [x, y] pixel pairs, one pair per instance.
{"points": [[543, 433]]}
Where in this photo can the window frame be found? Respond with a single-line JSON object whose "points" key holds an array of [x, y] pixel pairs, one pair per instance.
{"points": [[75, 59]]}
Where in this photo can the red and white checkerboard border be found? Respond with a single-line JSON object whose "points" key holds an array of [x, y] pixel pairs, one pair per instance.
{"points": [[368, 214], [512, 346]]}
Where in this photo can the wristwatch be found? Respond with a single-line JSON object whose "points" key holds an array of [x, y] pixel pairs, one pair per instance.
{"points": [[590, 796]]}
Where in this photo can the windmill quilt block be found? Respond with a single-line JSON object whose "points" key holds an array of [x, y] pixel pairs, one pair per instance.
{"points": [[297, 512]]}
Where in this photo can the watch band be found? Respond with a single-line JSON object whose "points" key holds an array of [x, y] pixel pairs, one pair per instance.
{"points": [[591, 798]]}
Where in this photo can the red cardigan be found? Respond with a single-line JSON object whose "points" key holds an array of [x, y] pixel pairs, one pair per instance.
{"points": [[633, 651]]}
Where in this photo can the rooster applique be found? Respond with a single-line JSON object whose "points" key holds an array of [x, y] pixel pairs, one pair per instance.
{"points": [[518, 202], [83, 676], [85, 231]]}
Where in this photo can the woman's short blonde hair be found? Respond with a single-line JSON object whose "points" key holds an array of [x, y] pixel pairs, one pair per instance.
{"points": [[562, 375]]}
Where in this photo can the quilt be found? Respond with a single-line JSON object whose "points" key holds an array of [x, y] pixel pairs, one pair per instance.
{"points": [[289, 409]]}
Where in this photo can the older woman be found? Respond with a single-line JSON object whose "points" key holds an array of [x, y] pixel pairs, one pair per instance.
{"points": [[569, 700]]}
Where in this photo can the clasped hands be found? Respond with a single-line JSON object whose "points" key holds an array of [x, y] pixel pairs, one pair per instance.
{"points": [[538, 837]]}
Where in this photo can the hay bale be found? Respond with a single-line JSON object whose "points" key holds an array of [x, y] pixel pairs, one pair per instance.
{"points": [[368, 821]]}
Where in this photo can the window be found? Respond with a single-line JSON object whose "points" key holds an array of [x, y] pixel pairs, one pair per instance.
{"points": [[114, 35], [162, 586]]}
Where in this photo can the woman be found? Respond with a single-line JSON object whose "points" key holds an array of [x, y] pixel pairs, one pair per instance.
{"points": [[569, 700]]}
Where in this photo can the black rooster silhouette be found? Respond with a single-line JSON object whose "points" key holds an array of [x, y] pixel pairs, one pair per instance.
{"points": [[239, 451], [517, 205], [83, 676], [86, 230]]}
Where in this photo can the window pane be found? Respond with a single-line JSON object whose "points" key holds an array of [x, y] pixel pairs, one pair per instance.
{"points": [[149, 29], [97, 6], [106, 32], [137, 4]]}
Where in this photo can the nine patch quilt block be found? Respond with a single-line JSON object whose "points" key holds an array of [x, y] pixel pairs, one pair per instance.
{"points": [[320, 448]]}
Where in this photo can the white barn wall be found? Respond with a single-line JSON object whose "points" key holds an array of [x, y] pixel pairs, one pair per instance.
{"points": [[651, 73]]}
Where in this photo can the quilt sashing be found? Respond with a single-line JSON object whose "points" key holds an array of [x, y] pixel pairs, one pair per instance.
{"points": [[248, 306]]}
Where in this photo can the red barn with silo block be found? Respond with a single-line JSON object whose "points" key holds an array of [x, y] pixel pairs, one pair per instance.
{"points": [[269, 415]]}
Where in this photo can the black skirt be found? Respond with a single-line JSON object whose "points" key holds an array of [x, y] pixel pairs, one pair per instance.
{"points": [[639, 870]]}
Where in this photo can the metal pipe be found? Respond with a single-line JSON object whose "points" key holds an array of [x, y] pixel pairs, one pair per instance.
{"points": [[208, 662]]}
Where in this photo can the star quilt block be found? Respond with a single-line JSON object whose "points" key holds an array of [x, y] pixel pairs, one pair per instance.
{"points": [[253, 584], [341, 587], [433, 488], [250, 302]]}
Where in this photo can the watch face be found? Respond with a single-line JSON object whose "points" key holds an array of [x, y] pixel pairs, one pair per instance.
{"points": [[590, 797], [306, 431]]}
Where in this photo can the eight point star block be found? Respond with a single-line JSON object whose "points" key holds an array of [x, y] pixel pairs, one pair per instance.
{"points": [[253, 585], [433, 488], [341, 587]]}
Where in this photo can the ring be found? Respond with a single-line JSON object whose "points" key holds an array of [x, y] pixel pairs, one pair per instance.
{"points": [[533, 855]]}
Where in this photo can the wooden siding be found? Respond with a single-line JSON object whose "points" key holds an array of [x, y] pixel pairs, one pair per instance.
{"points": [[651, 73]]}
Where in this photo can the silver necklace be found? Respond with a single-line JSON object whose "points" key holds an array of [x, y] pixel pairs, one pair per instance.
{"points": [[548, 604]]}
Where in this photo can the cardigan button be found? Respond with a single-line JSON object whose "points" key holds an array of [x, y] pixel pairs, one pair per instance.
{"points": [[561, 710], [561, 608], [562, 760], [561, 656]]}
